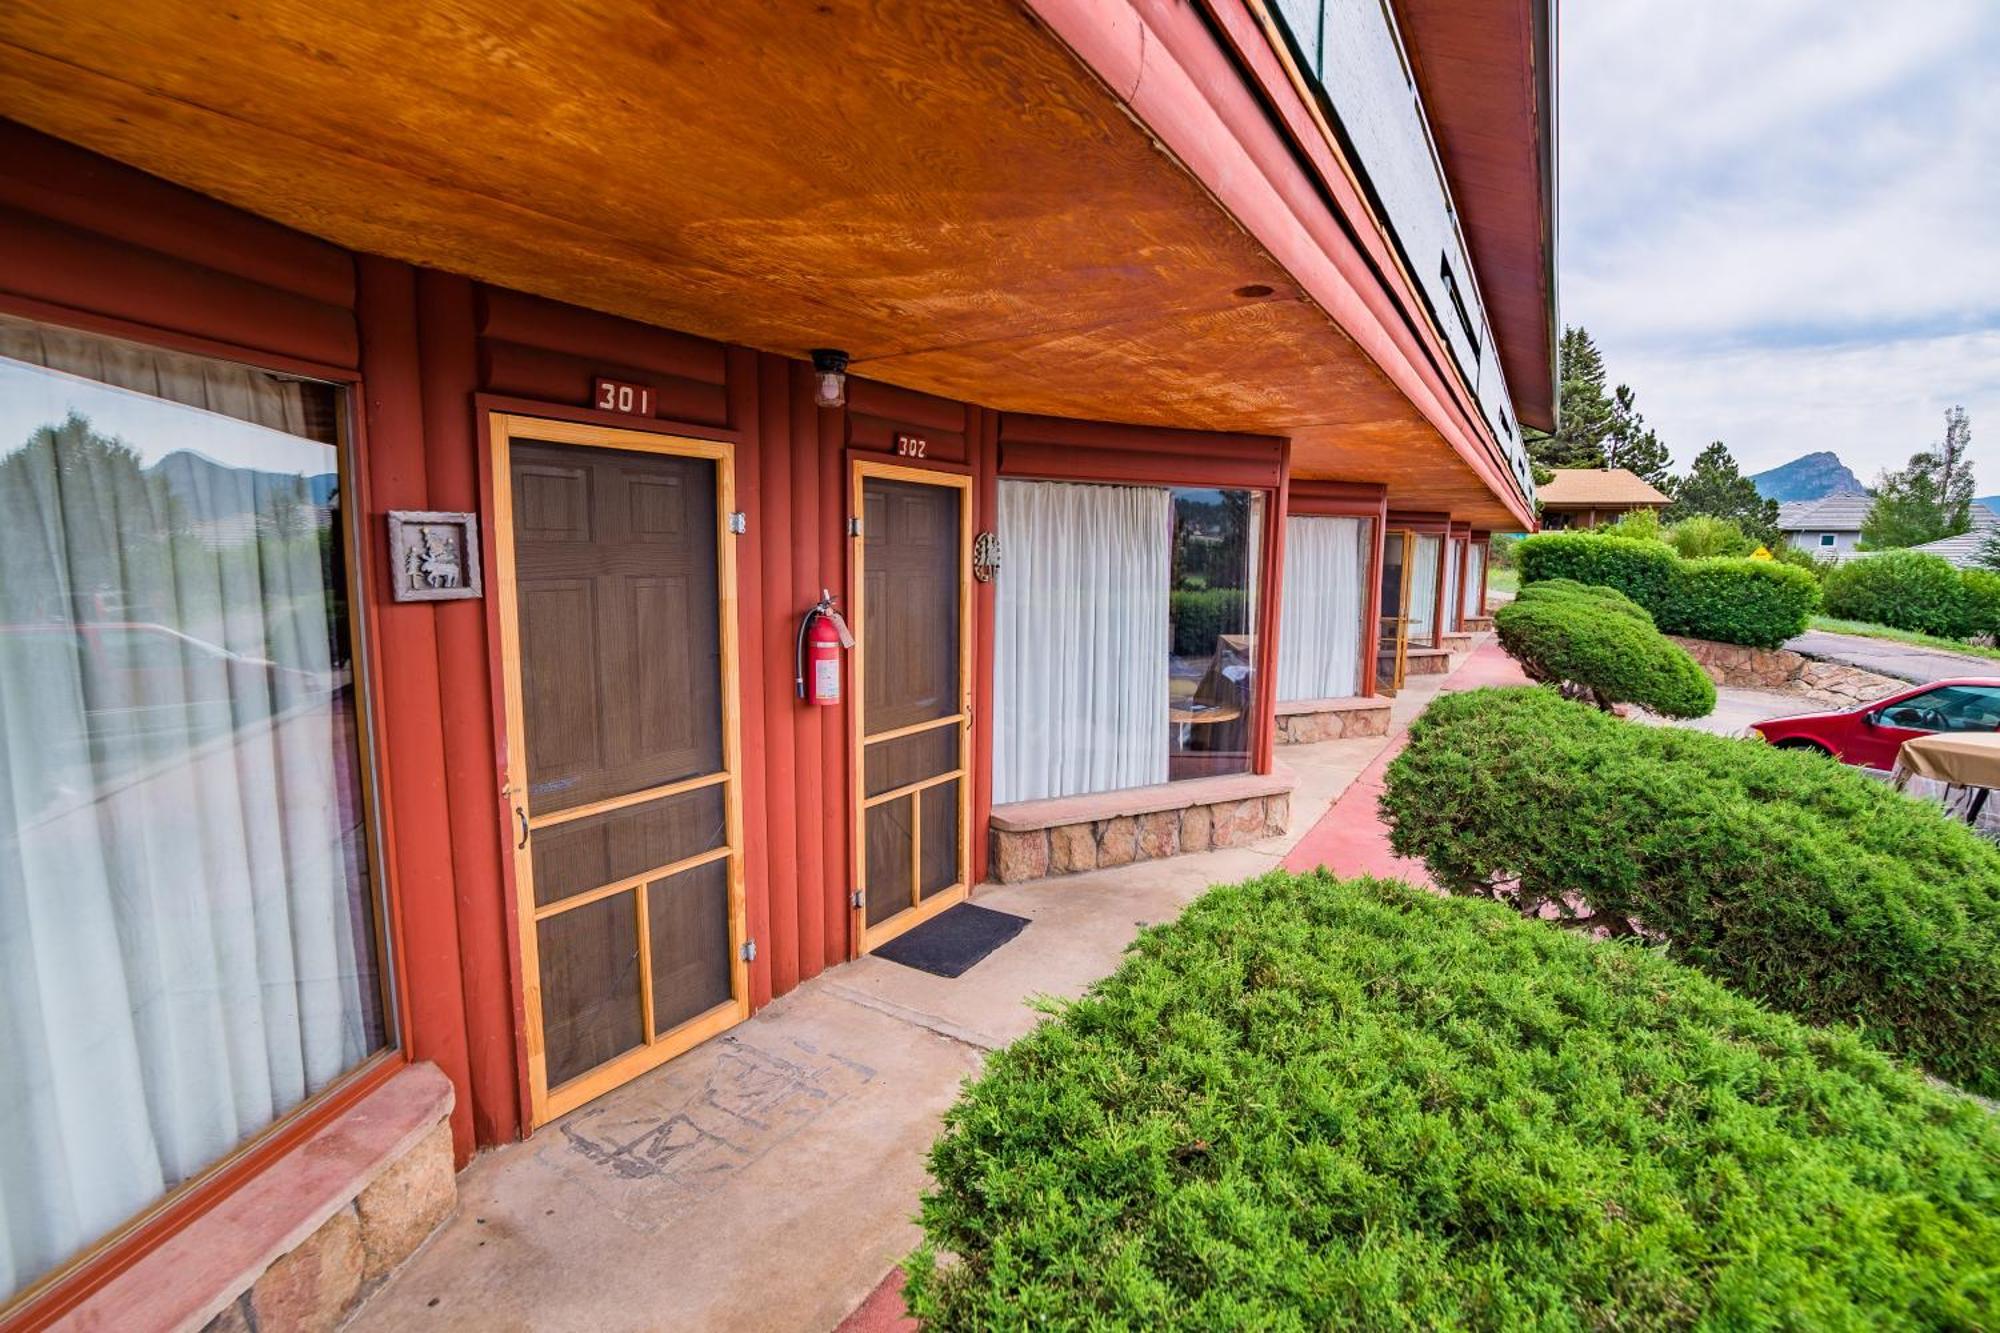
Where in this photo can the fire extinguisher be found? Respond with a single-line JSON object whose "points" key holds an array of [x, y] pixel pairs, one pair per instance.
{"points": [[822, 634]]}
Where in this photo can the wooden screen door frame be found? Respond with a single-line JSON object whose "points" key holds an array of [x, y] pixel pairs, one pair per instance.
{"points": [[548, 1103], [1400, 622], [921, 908]]}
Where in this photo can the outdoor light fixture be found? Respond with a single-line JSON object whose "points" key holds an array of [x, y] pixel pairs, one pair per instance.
{"points": [[829, 377]]}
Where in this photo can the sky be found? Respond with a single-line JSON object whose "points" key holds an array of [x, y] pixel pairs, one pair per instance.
{"points": [[1780, 220]]}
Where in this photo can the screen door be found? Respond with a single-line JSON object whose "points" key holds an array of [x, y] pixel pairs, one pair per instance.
{"points": [[913, 572], [1393, 641], [616, 585]]}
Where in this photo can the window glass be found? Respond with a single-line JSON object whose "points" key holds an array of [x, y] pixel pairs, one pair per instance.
{"points": [[1125, 636], [1212, 679], [1950, 708], [1826, 539], [187, 925]]}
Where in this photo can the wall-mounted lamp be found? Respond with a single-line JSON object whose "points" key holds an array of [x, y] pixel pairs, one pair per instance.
{"points": [[829, 377]]}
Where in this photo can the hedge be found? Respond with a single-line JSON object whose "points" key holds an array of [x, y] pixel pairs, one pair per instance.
{"points": [[1981, 589], [1201, 616], [1315, 1103], [1800, 882], [1642, 571], [1599, 646], [1903, 589], [1759, 603]]}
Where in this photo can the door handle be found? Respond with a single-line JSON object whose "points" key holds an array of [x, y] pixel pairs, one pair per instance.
{"points": [[522, 815]]}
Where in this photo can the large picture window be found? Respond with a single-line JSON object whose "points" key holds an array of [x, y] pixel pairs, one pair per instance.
{"points": [[1125, 636], [188, 935], [1324, 607]]}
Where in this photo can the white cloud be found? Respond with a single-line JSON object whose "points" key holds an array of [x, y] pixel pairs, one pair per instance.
{"points": [[1781, 220], [1873, 403]]}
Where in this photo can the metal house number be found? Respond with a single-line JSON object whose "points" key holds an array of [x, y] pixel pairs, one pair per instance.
{"points": [[911, 446]]}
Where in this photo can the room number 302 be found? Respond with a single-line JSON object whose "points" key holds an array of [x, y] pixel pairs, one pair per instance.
{"points": [[911, 446]]}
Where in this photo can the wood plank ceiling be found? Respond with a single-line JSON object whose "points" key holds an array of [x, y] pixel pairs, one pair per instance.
{"points": [[937, 187]]}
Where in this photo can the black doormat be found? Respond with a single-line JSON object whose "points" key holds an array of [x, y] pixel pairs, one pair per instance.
{"points": [[949, 944]]}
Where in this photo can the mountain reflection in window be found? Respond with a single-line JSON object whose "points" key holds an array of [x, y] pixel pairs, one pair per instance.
{"points": [[186, 922]]}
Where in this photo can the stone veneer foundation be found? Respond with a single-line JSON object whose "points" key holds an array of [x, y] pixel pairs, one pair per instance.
{"points": [[1069, 834], [301, 1244], [1427, 662], [1303, 721], [1477, 624]]}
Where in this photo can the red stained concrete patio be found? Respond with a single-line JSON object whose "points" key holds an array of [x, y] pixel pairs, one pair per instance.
{"points": [[769, 1179]]}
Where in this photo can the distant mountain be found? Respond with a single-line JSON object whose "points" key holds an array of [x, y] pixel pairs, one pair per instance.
{"points": [[1812, 477], [211, 491]]}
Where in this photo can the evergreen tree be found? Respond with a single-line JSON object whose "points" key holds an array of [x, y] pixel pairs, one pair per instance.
{"points": [[1633, 445], [1928, 500], [1584, 410], [1715, 486]]}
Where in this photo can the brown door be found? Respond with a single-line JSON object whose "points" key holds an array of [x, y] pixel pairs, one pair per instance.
{"points": [[911, 659], [616, 585]]}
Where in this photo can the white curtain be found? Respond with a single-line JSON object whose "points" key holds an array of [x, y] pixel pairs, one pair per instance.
{"points": [[1453, 548], [1080, 660], [185, 938], [1424, 588], [1475, 575], [1321, 607]]}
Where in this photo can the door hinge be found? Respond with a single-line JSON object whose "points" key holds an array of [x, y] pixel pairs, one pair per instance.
{"points": [[854, 525], [854, 900], [749, 951], [739, 522]]}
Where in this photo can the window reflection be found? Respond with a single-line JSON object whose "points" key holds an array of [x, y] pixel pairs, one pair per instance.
{"points": [[187, 942], [1212, 608]]}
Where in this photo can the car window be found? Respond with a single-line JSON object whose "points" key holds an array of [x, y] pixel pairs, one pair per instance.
{"points": [[1948, 708]]}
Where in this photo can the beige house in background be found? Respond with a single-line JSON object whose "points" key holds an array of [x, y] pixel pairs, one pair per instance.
{"points": [[1583, 497]]}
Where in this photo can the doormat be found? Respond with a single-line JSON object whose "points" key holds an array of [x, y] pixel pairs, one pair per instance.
{"points": [[949, 944]]}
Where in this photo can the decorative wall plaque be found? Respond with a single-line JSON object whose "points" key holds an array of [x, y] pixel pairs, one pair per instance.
{"points": [[986, 556], [433, 557]]}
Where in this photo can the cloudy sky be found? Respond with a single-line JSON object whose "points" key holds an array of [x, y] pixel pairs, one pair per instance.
{"points": [[1781, 220]]}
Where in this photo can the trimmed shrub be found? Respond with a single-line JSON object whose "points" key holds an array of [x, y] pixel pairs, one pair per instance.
{"points": [[1759, 603], [1903, 589], [1702, 535], [1641, 525], [1980, 589], [1794, 880], [1315, 1103], [1640, 570], [1606, 600], [1202, 615], [1600, 647]]}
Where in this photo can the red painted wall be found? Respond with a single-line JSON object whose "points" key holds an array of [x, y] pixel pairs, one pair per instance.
{"points": [[99, 246]]}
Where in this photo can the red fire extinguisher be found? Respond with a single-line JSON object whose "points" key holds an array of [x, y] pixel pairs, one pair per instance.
{"points": [[822, 634]]}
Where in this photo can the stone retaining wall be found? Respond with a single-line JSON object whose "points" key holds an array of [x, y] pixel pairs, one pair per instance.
{"points": [[1830, 683]]}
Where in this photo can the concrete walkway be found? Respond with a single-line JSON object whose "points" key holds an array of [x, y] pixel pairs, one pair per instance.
{"points": [[769, 1178], [1886, 657]]}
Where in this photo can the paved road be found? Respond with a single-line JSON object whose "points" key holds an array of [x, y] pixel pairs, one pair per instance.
{"points": [[1886, 657]]}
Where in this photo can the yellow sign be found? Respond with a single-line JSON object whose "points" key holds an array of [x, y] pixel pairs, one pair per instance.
{"points": [[1761, 553]]}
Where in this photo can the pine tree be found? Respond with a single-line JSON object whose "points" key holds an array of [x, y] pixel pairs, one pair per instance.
{"points": [[1928, 500], [1631, 444], [1584, 409], [1715, 486]]}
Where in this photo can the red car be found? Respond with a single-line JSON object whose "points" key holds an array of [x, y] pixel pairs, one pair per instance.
{"points": [[1870, 735]]}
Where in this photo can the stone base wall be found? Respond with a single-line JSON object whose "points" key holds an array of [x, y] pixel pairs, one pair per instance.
{"points": [[1457, 643], [318, 1283], [1333, 724], [1828, 683], [1099, 844], [1477, 624], [1427, 662]]}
